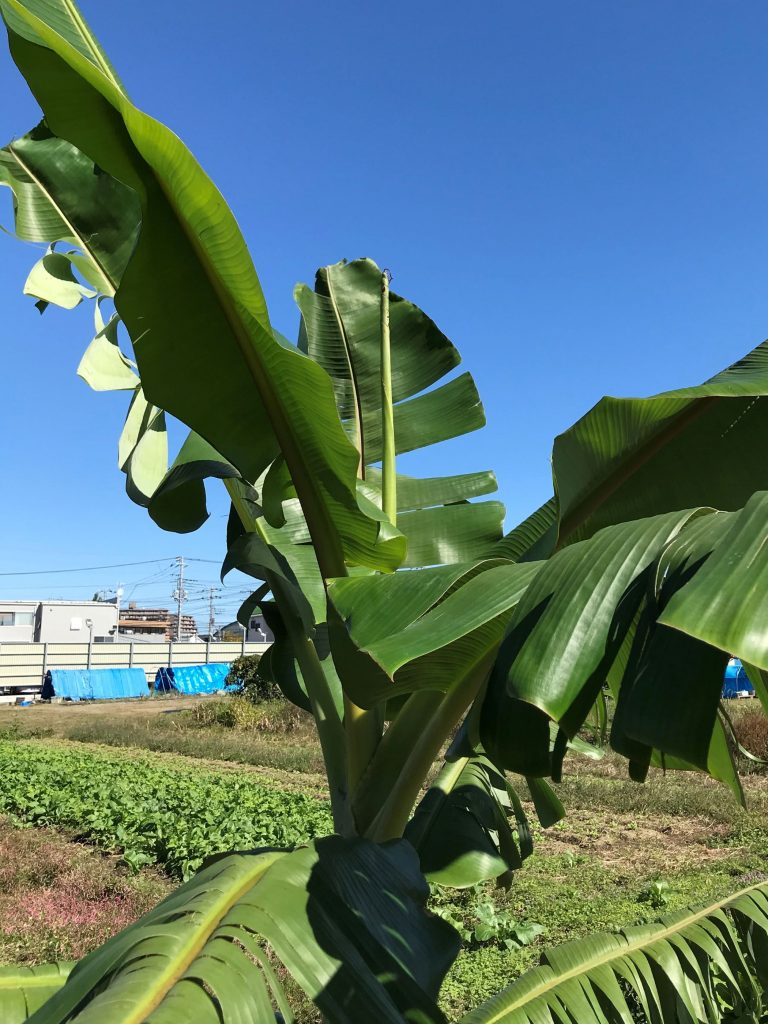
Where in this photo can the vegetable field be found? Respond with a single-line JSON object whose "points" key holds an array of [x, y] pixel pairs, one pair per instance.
{"points": [[149, 811]]}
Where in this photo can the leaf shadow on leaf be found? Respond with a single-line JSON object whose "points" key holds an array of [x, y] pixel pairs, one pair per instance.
{"points": [[376, 924]]}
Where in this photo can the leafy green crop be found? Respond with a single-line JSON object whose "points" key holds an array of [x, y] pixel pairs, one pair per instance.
{"points": [[151, 812]]}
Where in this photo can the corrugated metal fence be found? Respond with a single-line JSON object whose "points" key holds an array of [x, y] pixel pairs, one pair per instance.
{"points": [[24, 665]]}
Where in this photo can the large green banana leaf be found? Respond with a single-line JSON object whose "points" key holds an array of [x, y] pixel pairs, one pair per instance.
{"points": [[740, 623], [345, 918], [422, 630], [699, 966], [341, 330], [586, 615], [629, 458], [634, 457], [190, 297], [24, 989]]}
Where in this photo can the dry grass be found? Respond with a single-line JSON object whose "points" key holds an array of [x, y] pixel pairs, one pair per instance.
{"points": [[273, 734], [60, 899]]}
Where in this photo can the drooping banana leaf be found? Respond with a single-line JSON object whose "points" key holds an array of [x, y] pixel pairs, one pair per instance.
{"points": [[461, 829], [705, 964], [25, 989], [190, 297], [422, 630], [179, 503], [563, 637], [60, 195], [345, 918], [52, 280], [725, 604], [567, 629], [103, 366]]}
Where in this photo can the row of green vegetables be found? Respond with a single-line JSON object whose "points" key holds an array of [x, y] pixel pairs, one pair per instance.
{"points": [[150, 810]]}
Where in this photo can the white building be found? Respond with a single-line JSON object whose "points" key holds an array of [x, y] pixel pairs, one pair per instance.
{"points": [[57, 621]]}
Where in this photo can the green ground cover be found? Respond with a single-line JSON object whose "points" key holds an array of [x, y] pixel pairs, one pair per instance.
{"points": [[625, 852]]}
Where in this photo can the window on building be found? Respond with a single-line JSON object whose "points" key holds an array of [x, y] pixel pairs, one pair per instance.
{"points": [[17, 618]]}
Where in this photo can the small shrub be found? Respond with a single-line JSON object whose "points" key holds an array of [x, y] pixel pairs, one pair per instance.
{"points": [[244, 674], [237, 712]]}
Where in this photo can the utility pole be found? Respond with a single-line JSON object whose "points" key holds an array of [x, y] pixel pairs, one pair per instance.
{"points": [[211, 610], [180, 595], [118, 595]]}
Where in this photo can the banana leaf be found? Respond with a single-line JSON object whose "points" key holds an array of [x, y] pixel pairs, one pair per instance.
{"points": [[700, 965], [25, 989], [345, 918]]}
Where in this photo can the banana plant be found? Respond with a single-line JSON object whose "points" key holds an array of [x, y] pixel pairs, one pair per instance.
{"points": [[489, 650]]}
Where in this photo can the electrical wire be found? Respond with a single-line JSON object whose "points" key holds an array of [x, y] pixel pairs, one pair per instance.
{"points": [[93, 568]]}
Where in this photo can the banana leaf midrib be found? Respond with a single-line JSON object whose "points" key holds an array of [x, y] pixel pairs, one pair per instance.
{"points": [[585, 967], [360, 433], [90, 40], [75, 233], [579, 514], [199, 936]]}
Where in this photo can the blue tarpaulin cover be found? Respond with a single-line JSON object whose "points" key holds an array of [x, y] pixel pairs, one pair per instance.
{"points": [[736, 679], [192, 678], [95, 683]]}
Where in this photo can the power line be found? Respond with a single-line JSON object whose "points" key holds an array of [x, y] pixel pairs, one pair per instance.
{"points": [[96, 568]]}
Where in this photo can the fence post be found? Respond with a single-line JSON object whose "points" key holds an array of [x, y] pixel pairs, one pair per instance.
{"points": [[130, 654], [45, 659]]}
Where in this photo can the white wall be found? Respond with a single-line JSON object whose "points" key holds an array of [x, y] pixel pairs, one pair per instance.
{"points": [[67, 623]]}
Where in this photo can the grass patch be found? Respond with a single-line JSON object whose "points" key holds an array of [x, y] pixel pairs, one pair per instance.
{"points": [[271, 734], [60, 899]]}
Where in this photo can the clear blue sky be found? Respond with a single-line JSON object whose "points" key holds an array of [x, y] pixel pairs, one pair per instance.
{"points": [[576, 192]]}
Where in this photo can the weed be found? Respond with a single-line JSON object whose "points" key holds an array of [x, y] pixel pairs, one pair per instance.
{"points": [[750, 728], [655, 894]]}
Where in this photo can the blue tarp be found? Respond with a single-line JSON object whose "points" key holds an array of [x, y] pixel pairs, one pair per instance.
{"points": [[191, 678], [95, 683], [736, 680]]}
